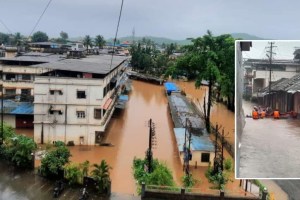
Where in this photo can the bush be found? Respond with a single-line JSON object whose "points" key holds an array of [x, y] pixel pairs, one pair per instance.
{"points": [[73, 174], [161, 174], [59, 143], [228, 164], [17, 148], [188, 181], [52, 164], [220, 179]]}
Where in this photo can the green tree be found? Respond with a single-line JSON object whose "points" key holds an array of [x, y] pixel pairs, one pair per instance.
{"points": [[39, 37], [64, 35], [87, 42], [212, 59], [101, 175], [52, 164], [73, 174], [99, 41], [18, 39], [4, 38]]}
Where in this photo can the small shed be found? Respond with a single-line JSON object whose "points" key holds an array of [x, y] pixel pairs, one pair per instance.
{"points": [[201, 147]]}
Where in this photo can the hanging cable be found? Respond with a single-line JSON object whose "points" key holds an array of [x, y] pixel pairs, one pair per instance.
{"points": [[38, 21], [120, 14], [5, 26]]}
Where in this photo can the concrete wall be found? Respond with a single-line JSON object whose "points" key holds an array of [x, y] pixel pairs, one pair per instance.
{"points": [[297, 102], [197, 158], [10, 120]]}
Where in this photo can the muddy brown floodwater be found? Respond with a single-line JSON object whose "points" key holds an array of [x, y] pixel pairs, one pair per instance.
{"points": [[129, 133]]}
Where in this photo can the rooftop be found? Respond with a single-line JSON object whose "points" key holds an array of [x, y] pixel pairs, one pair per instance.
{"points": [[198, 143], [291, 85], [34, 57], [99, 64]]}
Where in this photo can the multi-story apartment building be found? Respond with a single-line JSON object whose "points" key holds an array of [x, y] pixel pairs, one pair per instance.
{"points": [[74, 100]]}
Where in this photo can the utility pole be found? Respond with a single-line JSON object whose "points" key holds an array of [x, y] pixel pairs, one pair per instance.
{"points": [[270, 66], [149, 154]]}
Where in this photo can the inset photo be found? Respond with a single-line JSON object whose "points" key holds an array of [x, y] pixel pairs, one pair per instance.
{"points": [[267, 109]]}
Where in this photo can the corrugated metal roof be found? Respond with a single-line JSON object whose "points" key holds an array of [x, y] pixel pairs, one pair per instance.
{"points": [[284, 84], [198, 143], [92, 64]]}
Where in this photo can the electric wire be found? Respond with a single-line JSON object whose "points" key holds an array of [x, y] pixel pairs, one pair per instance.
{"points": [[116, 35], [39, 19], [5, 26]]}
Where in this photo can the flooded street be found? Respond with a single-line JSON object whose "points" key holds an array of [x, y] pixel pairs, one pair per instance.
{"points": [[270, 148], [129, 133]]}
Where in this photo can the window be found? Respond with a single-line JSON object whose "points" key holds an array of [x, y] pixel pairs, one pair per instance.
{"points": [[52, 92], [10, 91], [26, 77], [80, 114], [81, 94], [10, 77], [97, 113], [205, 157]]}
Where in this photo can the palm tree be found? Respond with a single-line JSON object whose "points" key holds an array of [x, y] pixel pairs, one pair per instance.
{"points": [[102, 176], [87, 41], [99, 41]]}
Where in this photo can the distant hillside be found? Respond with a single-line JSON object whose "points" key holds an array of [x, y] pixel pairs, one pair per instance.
{"points": [[157, 40], [160, 40], [245, 36]]}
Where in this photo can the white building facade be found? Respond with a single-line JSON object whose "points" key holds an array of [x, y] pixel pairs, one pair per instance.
{"points": [[76, 110]]}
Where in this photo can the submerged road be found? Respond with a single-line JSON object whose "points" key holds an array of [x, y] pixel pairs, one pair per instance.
{"points": [[270, 148], [291, 187]]}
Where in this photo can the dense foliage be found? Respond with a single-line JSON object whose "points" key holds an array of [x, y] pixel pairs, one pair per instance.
{"points": [[18, 149], [39, 36], [161, 175], [74, 173], [101, 175], [52, 164], [220, 179]]}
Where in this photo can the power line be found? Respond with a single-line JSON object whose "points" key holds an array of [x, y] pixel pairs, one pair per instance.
{"points": [[120, 14], [38, 21], [5, 26]]}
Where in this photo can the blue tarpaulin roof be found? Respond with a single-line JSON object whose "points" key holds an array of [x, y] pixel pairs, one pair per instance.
{"points": [[17, 108], [198, 143], [170, 87], [123, 97]]}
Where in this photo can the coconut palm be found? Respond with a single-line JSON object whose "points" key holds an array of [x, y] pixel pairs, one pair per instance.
{"points": [[101, 176], [87, 41], [99, 41]]}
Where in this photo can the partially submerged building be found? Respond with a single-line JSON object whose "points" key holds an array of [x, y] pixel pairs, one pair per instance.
{"points": [[75, 99], [284, 95], [201, 147], [17, 114]]}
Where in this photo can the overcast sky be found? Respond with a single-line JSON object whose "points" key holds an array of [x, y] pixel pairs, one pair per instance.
{"points": [[176, 19], [281, 50]]}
